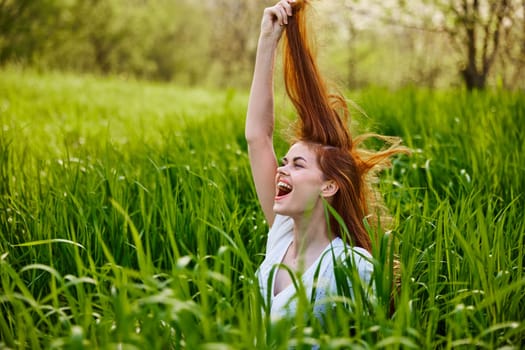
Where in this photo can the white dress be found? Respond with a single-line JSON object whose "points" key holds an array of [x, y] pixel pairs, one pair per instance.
{"points": [[284, 303]]}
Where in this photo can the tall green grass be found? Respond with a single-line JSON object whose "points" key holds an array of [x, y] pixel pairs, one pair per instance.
{"points": [[128, 219]]}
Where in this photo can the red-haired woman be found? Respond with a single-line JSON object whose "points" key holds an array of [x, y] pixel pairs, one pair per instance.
{"points": [[322, 167]]}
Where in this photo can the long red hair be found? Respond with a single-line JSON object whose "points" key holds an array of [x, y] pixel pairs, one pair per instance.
{"points": [[323, 123]]}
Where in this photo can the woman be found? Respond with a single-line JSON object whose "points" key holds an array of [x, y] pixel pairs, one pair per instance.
{"points": [[323, 169]]}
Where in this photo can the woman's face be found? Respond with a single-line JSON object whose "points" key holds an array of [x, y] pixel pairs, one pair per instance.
{"points": [[299, 181]]}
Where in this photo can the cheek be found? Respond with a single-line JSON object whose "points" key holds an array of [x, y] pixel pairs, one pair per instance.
{"points": [[310, 186]]}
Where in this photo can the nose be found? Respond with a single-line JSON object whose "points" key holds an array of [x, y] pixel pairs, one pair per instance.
{"points": [[282, 170]]}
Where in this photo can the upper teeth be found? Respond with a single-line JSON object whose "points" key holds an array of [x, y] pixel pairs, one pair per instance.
{"points": [[284, 185]]}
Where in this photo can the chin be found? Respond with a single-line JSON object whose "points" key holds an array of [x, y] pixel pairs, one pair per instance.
{"points": [[293, 211], [278, 208], [279, 211], [286, 211]]}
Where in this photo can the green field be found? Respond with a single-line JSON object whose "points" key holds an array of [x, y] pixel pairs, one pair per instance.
{"points": [[128, 220]]}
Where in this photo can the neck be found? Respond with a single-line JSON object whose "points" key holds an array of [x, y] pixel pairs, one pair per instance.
{"points": [[310, 232]]}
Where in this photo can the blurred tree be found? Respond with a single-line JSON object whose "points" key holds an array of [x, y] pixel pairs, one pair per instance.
{"points": [[514, 52], [179, 48], [24, 27], [478, 29], [485, 36], [233, 39], [153, 39], [374, 43], [100, 28]]}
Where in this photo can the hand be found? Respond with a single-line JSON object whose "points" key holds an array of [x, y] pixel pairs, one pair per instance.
{"points": [[275, 18]]}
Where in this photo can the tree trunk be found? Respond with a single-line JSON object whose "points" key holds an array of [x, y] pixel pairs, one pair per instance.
{"points": [[473, 77]]}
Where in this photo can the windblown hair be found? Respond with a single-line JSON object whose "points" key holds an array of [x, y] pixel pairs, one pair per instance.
{"points": [[323, 124]]}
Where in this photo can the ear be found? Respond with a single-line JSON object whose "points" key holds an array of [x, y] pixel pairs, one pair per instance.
{"points": [[329, 188]]}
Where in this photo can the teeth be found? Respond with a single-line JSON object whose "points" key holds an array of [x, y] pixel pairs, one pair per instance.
{"points": [[284, 185]]}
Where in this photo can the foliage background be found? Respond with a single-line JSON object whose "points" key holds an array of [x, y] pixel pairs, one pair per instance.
{"points": [[212, 43]]}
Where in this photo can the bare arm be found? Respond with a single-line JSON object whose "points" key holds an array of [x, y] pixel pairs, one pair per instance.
{"points": [[260, 116]]}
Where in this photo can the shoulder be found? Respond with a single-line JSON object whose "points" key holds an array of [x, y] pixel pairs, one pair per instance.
{"points": [[282, 227], [360, 259], [352, 257]]}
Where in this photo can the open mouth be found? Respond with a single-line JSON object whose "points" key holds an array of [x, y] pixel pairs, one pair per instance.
{"points": [[283, 189]]}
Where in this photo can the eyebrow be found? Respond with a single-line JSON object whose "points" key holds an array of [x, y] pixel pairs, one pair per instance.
{"points": [[284, 159]]}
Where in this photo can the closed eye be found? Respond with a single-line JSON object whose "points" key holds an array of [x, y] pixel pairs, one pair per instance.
{"points": [[297, 162]]}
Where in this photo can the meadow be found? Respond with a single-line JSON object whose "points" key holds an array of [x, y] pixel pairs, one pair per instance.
{"points": [[128, 220]]}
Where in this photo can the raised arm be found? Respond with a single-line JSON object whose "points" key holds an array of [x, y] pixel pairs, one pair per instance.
{"points": [[260, 116]]}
